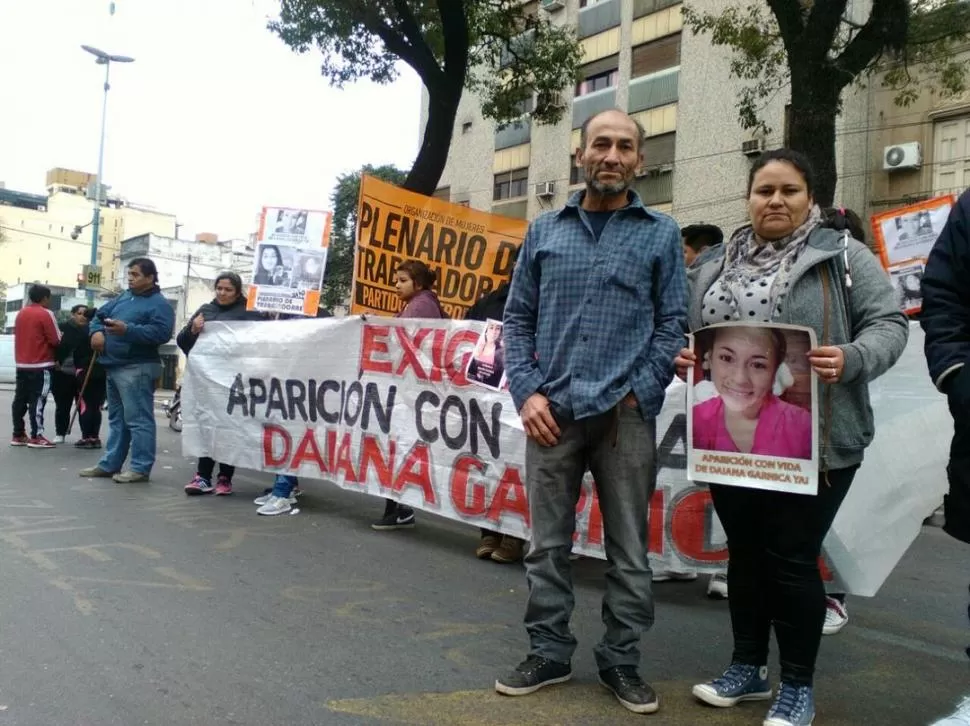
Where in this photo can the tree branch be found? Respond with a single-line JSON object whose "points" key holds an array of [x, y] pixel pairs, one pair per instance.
{"points": [[886, 28], [454, 26], [823, 23], [415, 50]]}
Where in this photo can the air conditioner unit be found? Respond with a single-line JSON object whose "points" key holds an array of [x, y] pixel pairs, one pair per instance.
{"points": [[752, 147], [552, 5], [656, 170], [545, 189], [902, 156]]}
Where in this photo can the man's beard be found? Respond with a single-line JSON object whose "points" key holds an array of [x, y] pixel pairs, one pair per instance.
{"points": [[612, 189]]}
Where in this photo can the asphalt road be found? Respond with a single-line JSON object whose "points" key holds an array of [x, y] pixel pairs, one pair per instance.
{"points": [[138, 605]]}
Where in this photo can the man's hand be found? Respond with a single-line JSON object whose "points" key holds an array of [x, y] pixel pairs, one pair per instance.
{"points": [[540, 425], [197, 322], [115, 327], [97, 342], [630, 400]]}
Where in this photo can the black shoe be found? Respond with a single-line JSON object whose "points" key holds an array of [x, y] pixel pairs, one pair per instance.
{"points": [[629, 689], [398, 518], [532, 674]]}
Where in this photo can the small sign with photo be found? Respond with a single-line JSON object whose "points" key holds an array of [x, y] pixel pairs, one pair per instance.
{"points": [[486, 367]]}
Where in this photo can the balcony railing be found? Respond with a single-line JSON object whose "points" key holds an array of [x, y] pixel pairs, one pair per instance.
{"points": [[514, 134], [597, 18], [592, 103], [657, 89]]}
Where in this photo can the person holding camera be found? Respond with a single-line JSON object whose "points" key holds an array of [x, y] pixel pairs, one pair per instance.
{"points": [[127, 333]]}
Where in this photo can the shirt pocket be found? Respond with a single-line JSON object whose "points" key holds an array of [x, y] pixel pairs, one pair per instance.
{"points": [[629, 272]]}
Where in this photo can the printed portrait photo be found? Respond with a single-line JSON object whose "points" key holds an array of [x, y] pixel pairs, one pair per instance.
{"points": [[752, 391], [907, 282], [486, 367], [273, 265], [308, 273]]}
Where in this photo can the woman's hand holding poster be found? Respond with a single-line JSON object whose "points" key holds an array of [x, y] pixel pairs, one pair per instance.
{"points": [[752, 408]]}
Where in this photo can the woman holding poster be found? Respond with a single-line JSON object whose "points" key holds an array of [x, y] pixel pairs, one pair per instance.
{"points": [[414, 282], [786, 268]]}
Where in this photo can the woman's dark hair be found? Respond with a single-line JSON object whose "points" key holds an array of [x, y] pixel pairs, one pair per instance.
{"points": [[842, 219], [233, 280], [279, 255], [789, 156], [778, 341], [145, 266], [422, 275]]}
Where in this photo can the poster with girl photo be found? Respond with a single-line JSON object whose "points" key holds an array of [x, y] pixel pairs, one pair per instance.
{"points": [[273, 265], [907, 281], [486, 367], [308, 272], [752, 408]]}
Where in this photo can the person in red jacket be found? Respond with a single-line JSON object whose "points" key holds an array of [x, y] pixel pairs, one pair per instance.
{"points": [[36, 337]]}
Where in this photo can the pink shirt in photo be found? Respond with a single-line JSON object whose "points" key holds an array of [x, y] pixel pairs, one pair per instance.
{"points": [[783, 429]]}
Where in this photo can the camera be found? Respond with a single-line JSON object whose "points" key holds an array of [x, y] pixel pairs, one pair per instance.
{"points": [[90, 313]]}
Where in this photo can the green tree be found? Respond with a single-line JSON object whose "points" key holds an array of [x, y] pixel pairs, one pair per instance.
{"points": [[815, 49], [453, 45], [340, 256]]}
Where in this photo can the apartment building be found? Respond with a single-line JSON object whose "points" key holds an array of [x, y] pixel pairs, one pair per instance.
{"points": [[917, 152], [36, 243], [638, 57]]}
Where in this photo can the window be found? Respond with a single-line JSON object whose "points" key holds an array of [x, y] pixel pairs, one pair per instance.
{"points": [[951, 163], [442, 193], [599, 82], [466, 127], [511, 184], [656, 56]]}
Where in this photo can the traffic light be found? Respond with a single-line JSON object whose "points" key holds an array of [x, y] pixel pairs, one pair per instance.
{"points": [[82, 282]]}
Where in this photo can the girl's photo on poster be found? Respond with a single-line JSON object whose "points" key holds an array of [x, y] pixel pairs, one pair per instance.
{"points": [[752, 391], [486, 367]]}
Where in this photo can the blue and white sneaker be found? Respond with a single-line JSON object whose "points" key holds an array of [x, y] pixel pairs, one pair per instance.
{"points": [[738, 683], [794, 706], [960, 717]]}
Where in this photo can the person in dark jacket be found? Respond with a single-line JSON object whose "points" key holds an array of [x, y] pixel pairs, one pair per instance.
{"points": [[76, 356], [946, 321], [64, 380], [228, 304], [495, 546]]}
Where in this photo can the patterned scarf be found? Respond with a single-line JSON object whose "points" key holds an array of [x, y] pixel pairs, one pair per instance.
{"points": [[746, 261]]}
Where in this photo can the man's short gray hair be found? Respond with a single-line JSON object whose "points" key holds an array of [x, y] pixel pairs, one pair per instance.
{"points": [[584, 129]]}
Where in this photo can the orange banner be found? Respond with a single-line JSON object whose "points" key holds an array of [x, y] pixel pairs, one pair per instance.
{"points": [[470, 251]]}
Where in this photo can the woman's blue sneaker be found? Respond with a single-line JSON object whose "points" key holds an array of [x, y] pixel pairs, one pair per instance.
{"points": [[794, 706], [738, 683]]}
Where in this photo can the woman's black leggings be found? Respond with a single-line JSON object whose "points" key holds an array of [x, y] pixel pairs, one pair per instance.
{"points": [[206, 465], [774, 542]]}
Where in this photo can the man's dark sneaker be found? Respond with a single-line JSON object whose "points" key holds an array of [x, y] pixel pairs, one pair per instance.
{"points": [[532, 674], [630, 689], [18, 440], [397, 518]]}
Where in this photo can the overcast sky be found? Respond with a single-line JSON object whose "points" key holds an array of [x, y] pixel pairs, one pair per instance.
{"points": [[214, 119]]}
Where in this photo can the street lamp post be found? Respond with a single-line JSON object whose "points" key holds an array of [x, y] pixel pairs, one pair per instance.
{"points": [[105, 59]]}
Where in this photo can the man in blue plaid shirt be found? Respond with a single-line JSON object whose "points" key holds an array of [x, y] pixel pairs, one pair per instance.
{"points": [[595, 316]]}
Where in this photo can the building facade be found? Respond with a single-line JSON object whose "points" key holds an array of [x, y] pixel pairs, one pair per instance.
{"points": [[36, 243], [638, 57], [180, 259]]}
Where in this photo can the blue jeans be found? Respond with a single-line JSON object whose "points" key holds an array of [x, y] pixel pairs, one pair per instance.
{"points": [[619, 449], [131, 417], [284, 485]]}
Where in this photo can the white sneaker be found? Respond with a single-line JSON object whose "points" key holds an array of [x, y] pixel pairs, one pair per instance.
{"points": [[274, 506], [260, 501], [717, 586], [836, 616], [60, 439], [960, 717], [674, 576]]}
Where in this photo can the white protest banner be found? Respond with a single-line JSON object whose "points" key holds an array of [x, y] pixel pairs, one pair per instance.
{"points": [[751, 401], [290, 260], [384, 408]]}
